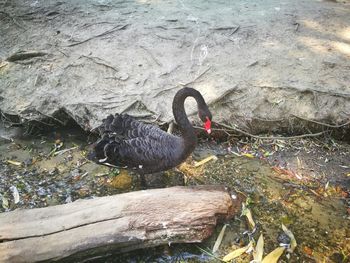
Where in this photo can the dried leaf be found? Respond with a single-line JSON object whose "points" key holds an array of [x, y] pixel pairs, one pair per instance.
{"points": [[259, 249], [273, 256], [14, 162], [236, 253], [246, 211], [219, 239], [15, 193], [293, 242]]}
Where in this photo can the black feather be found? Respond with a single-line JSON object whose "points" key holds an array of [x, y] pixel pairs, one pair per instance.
{"points": [[144, 147]]}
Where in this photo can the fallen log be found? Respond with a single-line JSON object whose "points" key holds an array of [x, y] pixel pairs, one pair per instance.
{"points": [[87, 228]]}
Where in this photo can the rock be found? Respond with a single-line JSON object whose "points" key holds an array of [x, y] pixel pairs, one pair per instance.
{"points": [[122, 181]]}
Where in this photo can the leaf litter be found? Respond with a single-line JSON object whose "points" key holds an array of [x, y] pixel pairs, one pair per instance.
{"points": [[300, 184]]}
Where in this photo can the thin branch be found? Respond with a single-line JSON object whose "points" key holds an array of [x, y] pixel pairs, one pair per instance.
{"points": [[234, 30], [53, 118], [152, 56], [112, 30], [213, 129], [4, 118], [94, 59], [3, 64], [165, 38], [323, 124], [225, 28], [231, 128], [64, 151]]}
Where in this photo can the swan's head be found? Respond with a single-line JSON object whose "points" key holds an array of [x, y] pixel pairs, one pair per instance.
{"points": [[205, 116]]}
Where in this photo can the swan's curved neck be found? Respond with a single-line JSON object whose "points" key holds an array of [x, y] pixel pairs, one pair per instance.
{"points": [[180, 116]]}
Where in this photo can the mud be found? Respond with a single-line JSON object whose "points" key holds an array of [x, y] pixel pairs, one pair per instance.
{"points": [[301, 183]]}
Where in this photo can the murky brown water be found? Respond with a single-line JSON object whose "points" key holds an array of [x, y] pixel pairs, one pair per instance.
{"points": [[303, 184]]}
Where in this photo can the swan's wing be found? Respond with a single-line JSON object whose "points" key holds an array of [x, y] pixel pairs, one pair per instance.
{"points": [[147, 154], [126, 127]]}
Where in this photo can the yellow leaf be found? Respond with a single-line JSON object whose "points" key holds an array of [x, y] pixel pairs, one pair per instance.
{"points": [[246, 211], [14, 162], [249, 155], [273, 256], [259, 249], [236, 253], [219, 239]]}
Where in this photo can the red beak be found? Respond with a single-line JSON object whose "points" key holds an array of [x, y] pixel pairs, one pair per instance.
{"points": [[207, 126]]}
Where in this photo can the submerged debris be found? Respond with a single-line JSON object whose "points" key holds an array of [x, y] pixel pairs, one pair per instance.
{"points": [[219, 239], [237, 252], [301, 184], [293, 243], [273, 256], [259, 249]]}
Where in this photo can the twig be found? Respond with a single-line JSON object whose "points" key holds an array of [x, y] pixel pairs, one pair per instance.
{"points": [[321, 123], [3, 64], [254, 63], [150, 53], [269, 120], [4, 119], [225, 28], [170, 71], [64, 151], [209, 254], [337, 94], [166, 38], [39, 121], [53, 118], [196, 78], [156, 119], [100, 63], [116, 28], [213, 129], [234, 31], [62, 53], [22, 55], [165, 28], [269, 137]]}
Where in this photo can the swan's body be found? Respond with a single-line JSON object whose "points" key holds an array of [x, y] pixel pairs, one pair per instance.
{"points": [[146, 148]]}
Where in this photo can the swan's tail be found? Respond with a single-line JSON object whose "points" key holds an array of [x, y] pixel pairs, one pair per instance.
{"points": [[105, 150], [117, 125]]}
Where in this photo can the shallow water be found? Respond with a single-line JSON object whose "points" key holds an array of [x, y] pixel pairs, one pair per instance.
{"points": [[303, 184]]}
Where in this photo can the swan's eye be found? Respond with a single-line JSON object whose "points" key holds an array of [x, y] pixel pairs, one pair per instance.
{"points": [[207, 125]]}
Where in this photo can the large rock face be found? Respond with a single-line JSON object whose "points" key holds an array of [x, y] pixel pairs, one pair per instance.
{"points": [[252, 60]]}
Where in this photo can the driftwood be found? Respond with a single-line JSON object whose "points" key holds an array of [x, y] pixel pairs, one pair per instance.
{"points": [[119, 223]]}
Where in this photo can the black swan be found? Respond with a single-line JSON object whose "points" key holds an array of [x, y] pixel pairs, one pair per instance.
{"points": [[146, 148]]}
